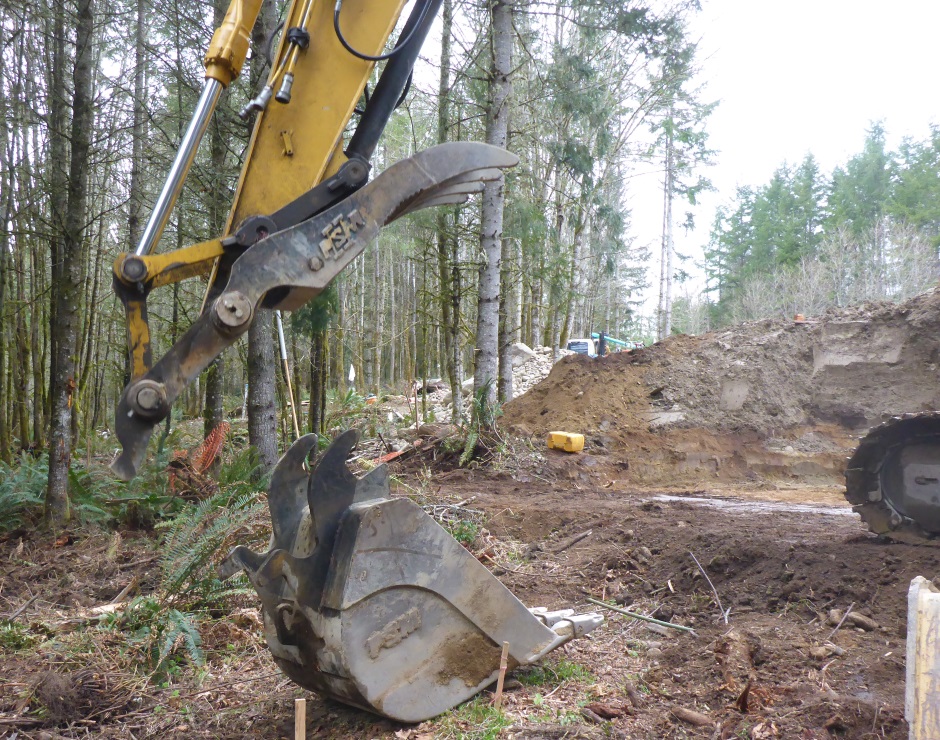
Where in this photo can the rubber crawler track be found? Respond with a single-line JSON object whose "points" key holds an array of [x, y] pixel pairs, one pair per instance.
{"points": [[864, 484]]}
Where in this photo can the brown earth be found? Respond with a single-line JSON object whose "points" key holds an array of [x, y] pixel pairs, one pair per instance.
{"points": [[768, 400], [742, 476], [779, 560]]}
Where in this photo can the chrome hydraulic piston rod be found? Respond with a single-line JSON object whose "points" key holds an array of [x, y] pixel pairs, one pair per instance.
{"points": [[184, 159]]}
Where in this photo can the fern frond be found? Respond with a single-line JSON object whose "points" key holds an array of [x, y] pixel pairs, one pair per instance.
{"points": [[196, 540], [21, 491], [211, 446], [179, 630]]}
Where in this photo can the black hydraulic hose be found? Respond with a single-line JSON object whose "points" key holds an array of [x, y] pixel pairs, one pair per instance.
{"points": [[406, 34], [394, 82], [401, 98]]}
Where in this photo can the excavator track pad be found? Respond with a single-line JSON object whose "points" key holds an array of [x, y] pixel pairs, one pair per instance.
{"points": [[893, 479], [369, 601]]}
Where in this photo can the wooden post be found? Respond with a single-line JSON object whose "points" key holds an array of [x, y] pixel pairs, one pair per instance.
{"points": [[300, 719], [503, 664], [922, 696]]}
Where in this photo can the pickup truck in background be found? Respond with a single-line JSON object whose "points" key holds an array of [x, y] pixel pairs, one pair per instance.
{"points": [[583, 347]]}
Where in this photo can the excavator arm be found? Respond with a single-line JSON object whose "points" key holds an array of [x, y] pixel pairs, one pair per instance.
{"points": [[305, 258], [295, 166], [365, 598]]}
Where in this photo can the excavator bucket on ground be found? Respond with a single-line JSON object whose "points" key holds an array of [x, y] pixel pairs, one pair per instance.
{"points": [[893, 478], [369, 601]]}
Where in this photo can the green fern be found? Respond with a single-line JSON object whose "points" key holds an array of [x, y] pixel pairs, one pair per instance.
{"points": [[165, 636], [469, 447], [178, 631], [21, 491], [344, 408], [166, 625], [482, 417], [242, 474], [195, 541], [86, 494]]}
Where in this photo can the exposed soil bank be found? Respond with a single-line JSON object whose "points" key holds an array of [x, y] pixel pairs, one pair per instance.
{"points": [[770, 399]]}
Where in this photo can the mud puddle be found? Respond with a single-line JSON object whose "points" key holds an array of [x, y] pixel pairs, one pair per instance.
{"points": [[738, 506]]}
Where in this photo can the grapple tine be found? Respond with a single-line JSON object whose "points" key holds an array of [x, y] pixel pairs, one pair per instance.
{"points": [[305, 258], [332, 488], [469, 182]]}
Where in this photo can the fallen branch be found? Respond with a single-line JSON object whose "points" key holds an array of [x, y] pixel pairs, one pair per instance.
{"points": [[724, 613], [573, 541], [22, 721], [388, 447], [125, 591], [521, 572], [135, 563], [862, 622], [636, 698], [643, 617], [692, 717], [841, 622], [388, 457], [592, 716], [22, 609]]}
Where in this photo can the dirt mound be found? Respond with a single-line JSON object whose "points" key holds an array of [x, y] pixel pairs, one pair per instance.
{"points": [[774, 397]]}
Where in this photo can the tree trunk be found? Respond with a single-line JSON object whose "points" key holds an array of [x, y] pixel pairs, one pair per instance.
{"points": [[262, 414], [575, 277], [395, 343], [135, 197], [664, 328], [58, 182], [6, 160], [506, 324], [262, 417], [214, 413], [21, 366], [491, 218], [338, 356], [448, 274], [453, 358], [317, 382], [57, 509], [378, 323]]}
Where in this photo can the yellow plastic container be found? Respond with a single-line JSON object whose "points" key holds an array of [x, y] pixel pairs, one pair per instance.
{"points": [[566, 441]]}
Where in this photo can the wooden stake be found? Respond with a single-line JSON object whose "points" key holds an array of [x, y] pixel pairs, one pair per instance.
{"points": [[417, 419], [286, 368], [300, 719], [503, 664]]}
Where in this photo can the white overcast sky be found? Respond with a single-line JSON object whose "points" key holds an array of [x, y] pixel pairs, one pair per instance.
{"points": [[800, 76]]}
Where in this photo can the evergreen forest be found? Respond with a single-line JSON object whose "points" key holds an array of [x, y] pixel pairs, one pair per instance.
{"points": [[808, 240]]}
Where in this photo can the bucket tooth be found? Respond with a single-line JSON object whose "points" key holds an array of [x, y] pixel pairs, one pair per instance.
{"points": [[287, 496], [374, 604]]}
